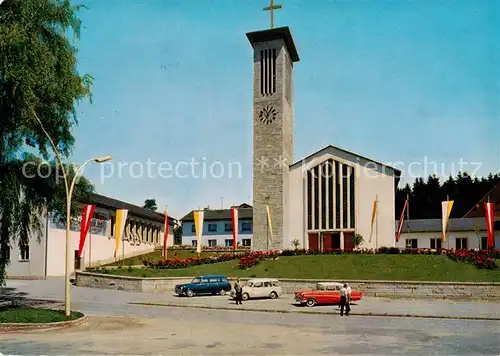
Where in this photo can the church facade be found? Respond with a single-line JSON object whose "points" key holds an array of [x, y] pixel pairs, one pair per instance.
{"points": [[324, 199]]}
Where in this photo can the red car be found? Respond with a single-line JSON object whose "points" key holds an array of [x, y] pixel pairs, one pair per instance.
{"points": [[326, 293]]}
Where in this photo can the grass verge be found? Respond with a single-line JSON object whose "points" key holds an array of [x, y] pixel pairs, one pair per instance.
{"points": [[35, 315], [338, 267]]}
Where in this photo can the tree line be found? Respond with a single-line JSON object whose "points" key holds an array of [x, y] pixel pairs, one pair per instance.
{"points": [[425, 195]]}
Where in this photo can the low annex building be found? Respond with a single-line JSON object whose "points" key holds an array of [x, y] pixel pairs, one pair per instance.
{"points": [[45, 254]]}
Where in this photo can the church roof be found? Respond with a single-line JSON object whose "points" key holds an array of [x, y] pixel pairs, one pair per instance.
{"points": [[140, 212], [435, 225], [351, 157], [245, 211], [280, 33], [493, 196]]}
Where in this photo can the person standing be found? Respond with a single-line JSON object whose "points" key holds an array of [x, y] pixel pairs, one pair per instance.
{"points": [[348, 299], [238, 290], [343, 300]]}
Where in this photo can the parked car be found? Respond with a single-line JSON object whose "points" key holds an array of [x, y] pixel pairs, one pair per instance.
{"points": [[204, 285], [260, 288], [326, 293]]}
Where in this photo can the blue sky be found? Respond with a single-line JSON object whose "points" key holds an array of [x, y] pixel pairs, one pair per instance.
{"points": [[396, 81]]}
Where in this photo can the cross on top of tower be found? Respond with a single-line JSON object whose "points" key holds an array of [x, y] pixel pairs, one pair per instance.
{"points": [[271, 9]]}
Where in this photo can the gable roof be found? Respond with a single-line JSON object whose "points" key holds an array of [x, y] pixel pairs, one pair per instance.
{"points": [[245, 211], [351, 157], [140, 212], [435, 225], [478, 209]]}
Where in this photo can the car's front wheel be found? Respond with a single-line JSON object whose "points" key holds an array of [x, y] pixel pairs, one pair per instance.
{"points": [[245, 296], [189, 293], [273, 295], [311, 302], [222, 292]]}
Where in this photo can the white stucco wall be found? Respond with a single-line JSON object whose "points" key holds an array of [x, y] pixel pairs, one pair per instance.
{"points": [[99, 251], [424, 239], [220, 235], [368, 184]]}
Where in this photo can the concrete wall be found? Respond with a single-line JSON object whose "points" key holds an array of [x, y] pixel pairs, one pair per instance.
{"points": [[47, 255], [402, 289]]}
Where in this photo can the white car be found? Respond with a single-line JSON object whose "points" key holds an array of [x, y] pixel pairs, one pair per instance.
{"points": [[260, 288]]}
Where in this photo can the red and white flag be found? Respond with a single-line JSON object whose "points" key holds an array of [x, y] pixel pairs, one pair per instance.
{"points": [[400, 227], [234, 220], [165, 236], [489, 215], [87, 213]]}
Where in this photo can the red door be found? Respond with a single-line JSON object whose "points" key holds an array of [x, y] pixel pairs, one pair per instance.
{"points": [[313, 241], [348, 242], [327, 241]]}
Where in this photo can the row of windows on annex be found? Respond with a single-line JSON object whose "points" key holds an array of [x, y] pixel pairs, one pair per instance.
{"points": [[138, 232], [24, 254], [135, 231], [246, 227], [461, 243], [227, 243]]}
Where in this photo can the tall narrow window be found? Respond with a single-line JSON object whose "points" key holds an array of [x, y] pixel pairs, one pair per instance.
{"points": [[344, 195], [262, 72], [322, 172], [268, 72], [331, 187], [352, 196], [309, 200], [338, 181], [316, 197]]}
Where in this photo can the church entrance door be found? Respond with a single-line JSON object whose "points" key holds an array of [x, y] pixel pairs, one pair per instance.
{"points": [[348, 240], [331, 240], [313, 241]]}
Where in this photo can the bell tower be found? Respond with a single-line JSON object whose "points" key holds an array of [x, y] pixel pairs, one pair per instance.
{"points": [[273, 59]]}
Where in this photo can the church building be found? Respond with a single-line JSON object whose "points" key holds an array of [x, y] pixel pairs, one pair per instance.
{"points": [[322, 200]]}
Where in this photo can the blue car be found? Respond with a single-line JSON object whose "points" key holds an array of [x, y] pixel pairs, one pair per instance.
{"points": [[204, 285]]}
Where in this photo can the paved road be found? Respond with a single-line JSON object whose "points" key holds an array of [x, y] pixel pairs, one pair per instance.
{"points": [[182, 331]]}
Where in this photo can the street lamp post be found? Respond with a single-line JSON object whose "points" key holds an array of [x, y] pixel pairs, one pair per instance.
{"points": [[69, 194]]}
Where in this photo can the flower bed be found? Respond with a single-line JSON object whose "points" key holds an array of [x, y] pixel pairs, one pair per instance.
{"points": [[176, 263], [481, 259], [252, 259]]}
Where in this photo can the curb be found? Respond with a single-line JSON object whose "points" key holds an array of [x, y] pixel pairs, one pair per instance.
{"points": [[14, 327], [386, 315]]}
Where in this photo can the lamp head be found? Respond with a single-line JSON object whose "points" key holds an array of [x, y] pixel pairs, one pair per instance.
{"points": [[102, 159]]}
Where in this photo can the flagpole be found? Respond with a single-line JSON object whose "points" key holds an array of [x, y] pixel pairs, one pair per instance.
{"points": [[376, 214], [90, 248]]}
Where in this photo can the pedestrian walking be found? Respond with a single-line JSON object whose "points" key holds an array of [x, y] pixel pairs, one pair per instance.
{"points": [[238, 290]]}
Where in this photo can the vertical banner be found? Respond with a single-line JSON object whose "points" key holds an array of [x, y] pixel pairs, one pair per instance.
{"points": [[198, 224], [489, 215], [234, 220], [121, 218], [165, 236], [87, 213], [446, 207], [374, 214], [270, 225], [400, 227]]}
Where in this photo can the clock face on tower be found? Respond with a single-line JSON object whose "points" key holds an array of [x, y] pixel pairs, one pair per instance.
{"points": [[267, 115]]}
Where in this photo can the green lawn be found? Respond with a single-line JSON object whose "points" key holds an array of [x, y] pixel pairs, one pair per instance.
{"points": [[34, 315], [156, 255], [339, 267]]}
